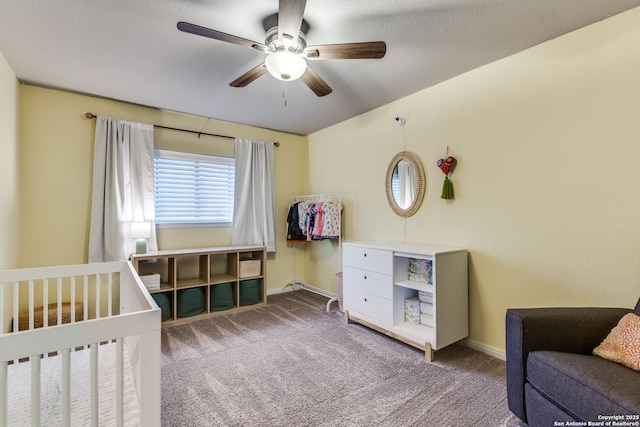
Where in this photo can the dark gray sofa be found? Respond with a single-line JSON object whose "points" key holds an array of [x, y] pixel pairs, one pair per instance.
{"points": [[552, 374]]}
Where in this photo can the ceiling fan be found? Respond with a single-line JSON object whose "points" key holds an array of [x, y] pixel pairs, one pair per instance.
{"points": [[287, 50]]}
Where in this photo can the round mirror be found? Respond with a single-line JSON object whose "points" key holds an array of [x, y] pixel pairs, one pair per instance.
{"points": [[405, 183]]}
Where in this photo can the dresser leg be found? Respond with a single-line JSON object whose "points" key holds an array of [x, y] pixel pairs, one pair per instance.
{"points": [[428, 352], [346, 317]]}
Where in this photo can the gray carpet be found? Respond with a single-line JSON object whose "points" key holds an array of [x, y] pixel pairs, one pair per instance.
{"points": [[292, 364]]}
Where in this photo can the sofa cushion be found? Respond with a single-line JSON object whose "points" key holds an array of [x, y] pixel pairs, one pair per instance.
{"points": [[584, 385], [622, 345], [542, 412]]}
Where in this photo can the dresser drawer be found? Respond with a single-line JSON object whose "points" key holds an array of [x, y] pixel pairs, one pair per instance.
{"points": [[370, 259], [370, 305], [368, 281]]}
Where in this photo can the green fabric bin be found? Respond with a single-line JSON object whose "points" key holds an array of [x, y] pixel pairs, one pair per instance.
{"points": [[190, 302], [249, 292], [164, 302], [221, 297]]}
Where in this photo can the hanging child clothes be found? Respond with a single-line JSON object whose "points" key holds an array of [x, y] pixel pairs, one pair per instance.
{"points": [[294, 233], [331, 211], [314, 220]]}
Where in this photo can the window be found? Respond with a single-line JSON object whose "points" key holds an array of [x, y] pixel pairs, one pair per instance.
{"points": [[193, 189]]}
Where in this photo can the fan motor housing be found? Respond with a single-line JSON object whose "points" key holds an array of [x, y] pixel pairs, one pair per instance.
{"points": [[275, 44]]}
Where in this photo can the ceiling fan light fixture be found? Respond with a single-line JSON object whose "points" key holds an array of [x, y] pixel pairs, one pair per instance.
{"points": [[285, 65]]}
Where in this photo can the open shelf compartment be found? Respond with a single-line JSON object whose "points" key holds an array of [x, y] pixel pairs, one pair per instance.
{"points": [[223, 267], [192, 270]]}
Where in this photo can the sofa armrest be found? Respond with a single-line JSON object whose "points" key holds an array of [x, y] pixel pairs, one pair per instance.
{"points": [[572, 330]]}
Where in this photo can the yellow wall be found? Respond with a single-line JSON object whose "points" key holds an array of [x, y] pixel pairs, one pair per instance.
{"points": [[548, 144], [57, 160], [9, 167]]}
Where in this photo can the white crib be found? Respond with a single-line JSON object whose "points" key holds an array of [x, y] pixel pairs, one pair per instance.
{"points": [[101, 370]]}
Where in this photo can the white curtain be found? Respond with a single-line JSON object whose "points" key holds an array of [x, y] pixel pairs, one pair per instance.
{"points": [[122, 189], [254, 205]]}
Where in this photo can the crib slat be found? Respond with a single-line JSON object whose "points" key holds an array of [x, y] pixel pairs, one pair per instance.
{"points": [[45, 303], [119, 382], [66, 387], [4, 394], [35, 390], [73, 298], [31, 307], [59, 300], [16, 295], [85, 297], [109, 295], [94, 383], [98, 296]]}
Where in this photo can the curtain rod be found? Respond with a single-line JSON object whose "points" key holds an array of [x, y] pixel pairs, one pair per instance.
{"points": [[93, 116]]}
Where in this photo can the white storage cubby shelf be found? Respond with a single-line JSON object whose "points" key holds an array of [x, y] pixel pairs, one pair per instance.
{"points": [[241, 269], [376, 285]]}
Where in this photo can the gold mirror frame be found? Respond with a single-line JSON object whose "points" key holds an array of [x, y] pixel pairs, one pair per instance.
{"points": [[417, 201]]}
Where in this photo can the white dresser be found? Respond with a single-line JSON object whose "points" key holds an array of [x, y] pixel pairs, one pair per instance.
{"points": [[379, 278]]}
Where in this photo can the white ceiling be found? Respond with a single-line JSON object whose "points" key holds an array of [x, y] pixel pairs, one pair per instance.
{"points": [[132, 51]]}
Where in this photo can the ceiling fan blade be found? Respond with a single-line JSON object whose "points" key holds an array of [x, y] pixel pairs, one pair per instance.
{"points": [[290, 14], [218, 35], [315, 83], [249, 76], [363, 50]]}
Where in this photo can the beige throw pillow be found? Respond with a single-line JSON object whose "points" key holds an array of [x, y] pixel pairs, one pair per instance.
{"points": [[622, 345]]}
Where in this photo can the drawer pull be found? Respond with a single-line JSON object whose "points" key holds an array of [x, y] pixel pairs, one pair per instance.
{"points": [[365, 300], [365, 277], [365, 255]]}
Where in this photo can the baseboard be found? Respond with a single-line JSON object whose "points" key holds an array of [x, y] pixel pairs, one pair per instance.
{"points": [[486, 349]]}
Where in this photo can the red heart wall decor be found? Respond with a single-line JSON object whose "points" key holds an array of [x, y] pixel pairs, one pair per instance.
{"points": [[447, 165]]}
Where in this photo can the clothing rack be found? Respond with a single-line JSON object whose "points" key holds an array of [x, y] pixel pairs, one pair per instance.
{"points": [[316, 198]]}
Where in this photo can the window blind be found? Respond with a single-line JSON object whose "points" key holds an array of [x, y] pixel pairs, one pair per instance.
{"points": [[193, 188]]}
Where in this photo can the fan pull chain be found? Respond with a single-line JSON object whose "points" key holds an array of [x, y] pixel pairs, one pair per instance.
{"points": [[284, 92]]}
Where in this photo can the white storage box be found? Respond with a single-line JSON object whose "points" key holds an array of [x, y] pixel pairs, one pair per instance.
{"points": [[151, 281], [250, 268]]}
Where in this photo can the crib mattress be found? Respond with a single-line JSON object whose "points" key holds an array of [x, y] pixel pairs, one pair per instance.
{"points": [[19, 390]]}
